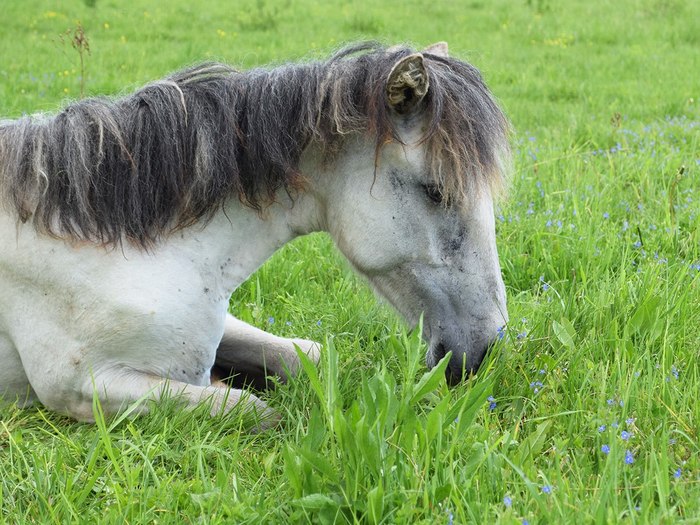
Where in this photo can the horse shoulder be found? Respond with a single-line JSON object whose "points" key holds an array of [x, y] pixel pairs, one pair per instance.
{"points": [[86, 306]]}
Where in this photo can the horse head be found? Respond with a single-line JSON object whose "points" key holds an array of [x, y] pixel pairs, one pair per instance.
{"points": [[414, 212]]}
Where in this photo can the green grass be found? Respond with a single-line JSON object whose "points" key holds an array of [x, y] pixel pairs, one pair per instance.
{"points": [[599, 245]]}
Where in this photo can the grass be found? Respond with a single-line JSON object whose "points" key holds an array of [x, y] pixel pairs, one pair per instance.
{"points": [[600, 250]]}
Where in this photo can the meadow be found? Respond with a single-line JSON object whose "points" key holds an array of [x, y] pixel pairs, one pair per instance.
{"points": [[587, 409]]}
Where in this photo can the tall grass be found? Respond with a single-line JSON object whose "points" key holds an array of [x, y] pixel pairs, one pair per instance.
{"points": [[587, 410]]}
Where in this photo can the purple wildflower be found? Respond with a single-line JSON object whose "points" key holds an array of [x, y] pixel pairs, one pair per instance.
{"points": [[629, 457], [605, 449]]}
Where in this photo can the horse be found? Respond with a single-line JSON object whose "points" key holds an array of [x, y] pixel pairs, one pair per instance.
{"points": [[127, 222]]}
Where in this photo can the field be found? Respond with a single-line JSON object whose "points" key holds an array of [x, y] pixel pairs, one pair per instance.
{"points": [[587, 409]]}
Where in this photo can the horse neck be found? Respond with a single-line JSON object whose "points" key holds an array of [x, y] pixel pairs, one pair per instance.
{"points": [[239, 239]]}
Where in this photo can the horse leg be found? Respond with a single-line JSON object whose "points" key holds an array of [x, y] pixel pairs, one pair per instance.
{"points": [[117, 391], [248, 354], [117, 388], [67, 379], [14, 384]]}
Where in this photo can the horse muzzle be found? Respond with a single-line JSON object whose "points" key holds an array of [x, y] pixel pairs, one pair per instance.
{"points": [[468, 352]]}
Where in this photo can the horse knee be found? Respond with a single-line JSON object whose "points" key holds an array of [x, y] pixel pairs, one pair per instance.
{"points": [[14, 384], [67, 401]]}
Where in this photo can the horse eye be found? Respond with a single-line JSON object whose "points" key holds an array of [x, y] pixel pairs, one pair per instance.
{"points": [[433, 193]]}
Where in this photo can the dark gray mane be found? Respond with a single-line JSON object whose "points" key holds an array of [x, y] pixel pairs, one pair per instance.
{"points": [[170, 154]]}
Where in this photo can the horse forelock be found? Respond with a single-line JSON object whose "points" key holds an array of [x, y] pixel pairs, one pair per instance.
{"points": [[170, 154]]}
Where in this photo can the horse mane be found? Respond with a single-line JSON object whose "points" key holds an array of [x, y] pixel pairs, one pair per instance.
{"points": [[170, 154]]}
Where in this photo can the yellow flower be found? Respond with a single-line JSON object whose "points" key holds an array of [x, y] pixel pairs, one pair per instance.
{"points": [[106, 25]]}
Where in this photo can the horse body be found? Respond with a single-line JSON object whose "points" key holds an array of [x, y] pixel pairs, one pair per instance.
{"points": [[88, 306], [86, 317]]}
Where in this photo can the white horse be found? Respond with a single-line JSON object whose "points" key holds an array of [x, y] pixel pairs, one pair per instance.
{"points": [[126, 224]]}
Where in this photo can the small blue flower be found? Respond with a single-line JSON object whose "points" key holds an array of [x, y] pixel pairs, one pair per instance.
{"points": [[492, 402], [507, 501], [521, 335], [601, 428], [629, 457], [270, 320], [625, 436], [606, 215], [536, 386], [501, 332], [547, 489], [674, 371], [677, 473], [605, 449], [630, 420], [318, 323], [614, 424], [610, 402]]}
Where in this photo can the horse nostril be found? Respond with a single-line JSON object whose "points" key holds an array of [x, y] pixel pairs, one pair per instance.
{"points": [[439, 352], [461, 366]]}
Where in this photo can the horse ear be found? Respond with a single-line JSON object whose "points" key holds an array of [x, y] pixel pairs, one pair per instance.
{"points": [[407, 83], [438, 49]]}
